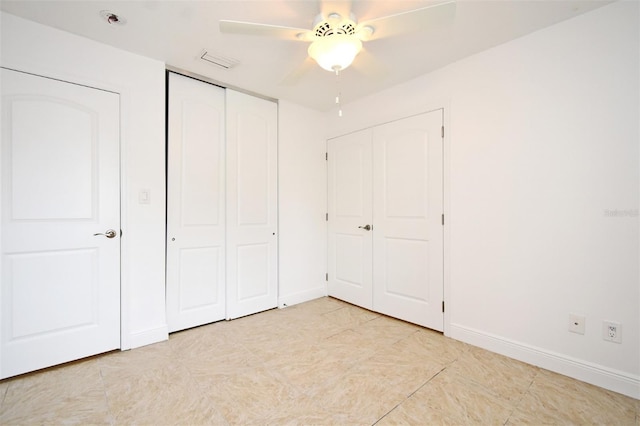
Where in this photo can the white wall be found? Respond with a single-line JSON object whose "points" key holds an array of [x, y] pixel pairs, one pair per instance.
{"points": [[302, 192], [542, 142], [31, 47]]}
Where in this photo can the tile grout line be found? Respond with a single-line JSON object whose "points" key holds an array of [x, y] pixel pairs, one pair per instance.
{"points": [[112, 417], [419, 387], [409, 396], [514, 405], [4, 395], [517, 404]]}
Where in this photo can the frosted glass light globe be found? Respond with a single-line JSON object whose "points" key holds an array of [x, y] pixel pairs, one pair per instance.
{"points": [[335, 52]]}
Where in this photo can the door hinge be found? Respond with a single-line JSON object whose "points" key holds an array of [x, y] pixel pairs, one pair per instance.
{"points": [[443, 219], [326, 217], [326, 156], [326, 276], [443, 306], [442, 131]]}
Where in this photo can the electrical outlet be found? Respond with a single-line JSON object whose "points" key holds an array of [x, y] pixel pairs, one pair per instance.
{"points": [[612, 331], [576, 323]]}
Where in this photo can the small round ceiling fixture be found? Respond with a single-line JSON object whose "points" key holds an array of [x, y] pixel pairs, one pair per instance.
{"points": [[112, 18]]}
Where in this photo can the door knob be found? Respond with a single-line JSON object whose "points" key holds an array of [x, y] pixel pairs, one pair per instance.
{"points": [[110, 233], [366, 227]]}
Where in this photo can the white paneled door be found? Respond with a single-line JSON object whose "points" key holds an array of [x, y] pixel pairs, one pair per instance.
{"points": [[196, 203], [350, 213], [60, 245], [389, 178], [252, 201], [407, 213]]}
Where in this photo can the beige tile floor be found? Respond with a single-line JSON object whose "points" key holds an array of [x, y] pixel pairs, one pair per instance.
{"points": [[320, 362]]}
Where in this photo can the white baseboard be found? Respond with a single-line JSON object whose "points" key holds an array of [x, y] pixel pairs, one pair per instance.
{"points": [[303, 296], [148, 337], [604, 377]]}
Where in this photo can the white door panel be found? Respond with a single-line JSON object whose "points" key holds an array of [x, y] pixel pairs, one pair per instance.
{"points": [[407, 213], [60, 186], [350, 203], [69, 129], [251, 146], [200, 278], [196, 204], [252, 250], [253, 271]]}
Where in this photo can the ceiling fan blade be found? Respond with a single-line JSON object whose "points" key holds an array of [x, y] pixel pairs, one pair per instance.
{"points": [[250, 28], [411, 21], [369, 66], [297, 74], [341, 7]]}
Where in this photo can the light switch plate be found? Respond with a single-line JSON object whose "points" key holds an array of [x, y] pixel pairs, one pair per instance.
{"points": [[144, 196]]}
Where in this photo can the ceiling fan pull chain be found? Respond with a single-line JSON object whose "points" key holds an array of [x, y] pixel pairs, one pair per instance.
{"points": [[338, 90]]}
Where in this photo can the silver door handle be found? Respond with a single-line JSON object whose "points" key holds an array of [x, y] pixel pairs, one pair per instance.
{"points": [[366, 227], [110, 233]]}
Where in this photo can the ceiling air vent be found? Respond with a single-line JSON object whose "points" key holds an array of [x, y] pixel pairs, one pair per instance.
{"points": [[222, 61]]}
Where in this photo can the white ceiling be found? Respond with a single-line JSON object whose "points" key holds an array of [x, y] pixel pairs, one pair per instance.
{"points": [[176, 32]]}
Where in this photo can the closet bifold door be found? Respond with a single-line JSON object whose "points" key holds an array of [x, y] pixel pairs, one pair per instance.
{"points": [[252, 248], [385, 231], [195, 203], [407, 215]]}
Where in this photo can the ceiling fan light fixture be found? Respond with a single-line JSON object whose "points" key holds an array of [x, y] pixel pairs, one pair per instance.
{"points": [[335, 52]]}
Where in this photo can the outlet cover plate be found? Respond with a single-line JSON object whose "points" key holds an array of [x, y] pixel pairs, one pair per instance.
{"points": [[612, 331], [576, 323]]}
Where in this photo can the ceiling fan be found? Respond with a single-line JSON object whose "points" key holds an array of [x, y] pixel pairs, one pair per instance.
{"points": [[336, 37]]}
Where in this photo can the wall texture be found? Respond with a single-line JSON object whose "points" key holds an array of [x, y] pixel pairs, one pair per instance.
{"points": [[541, 192]]}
